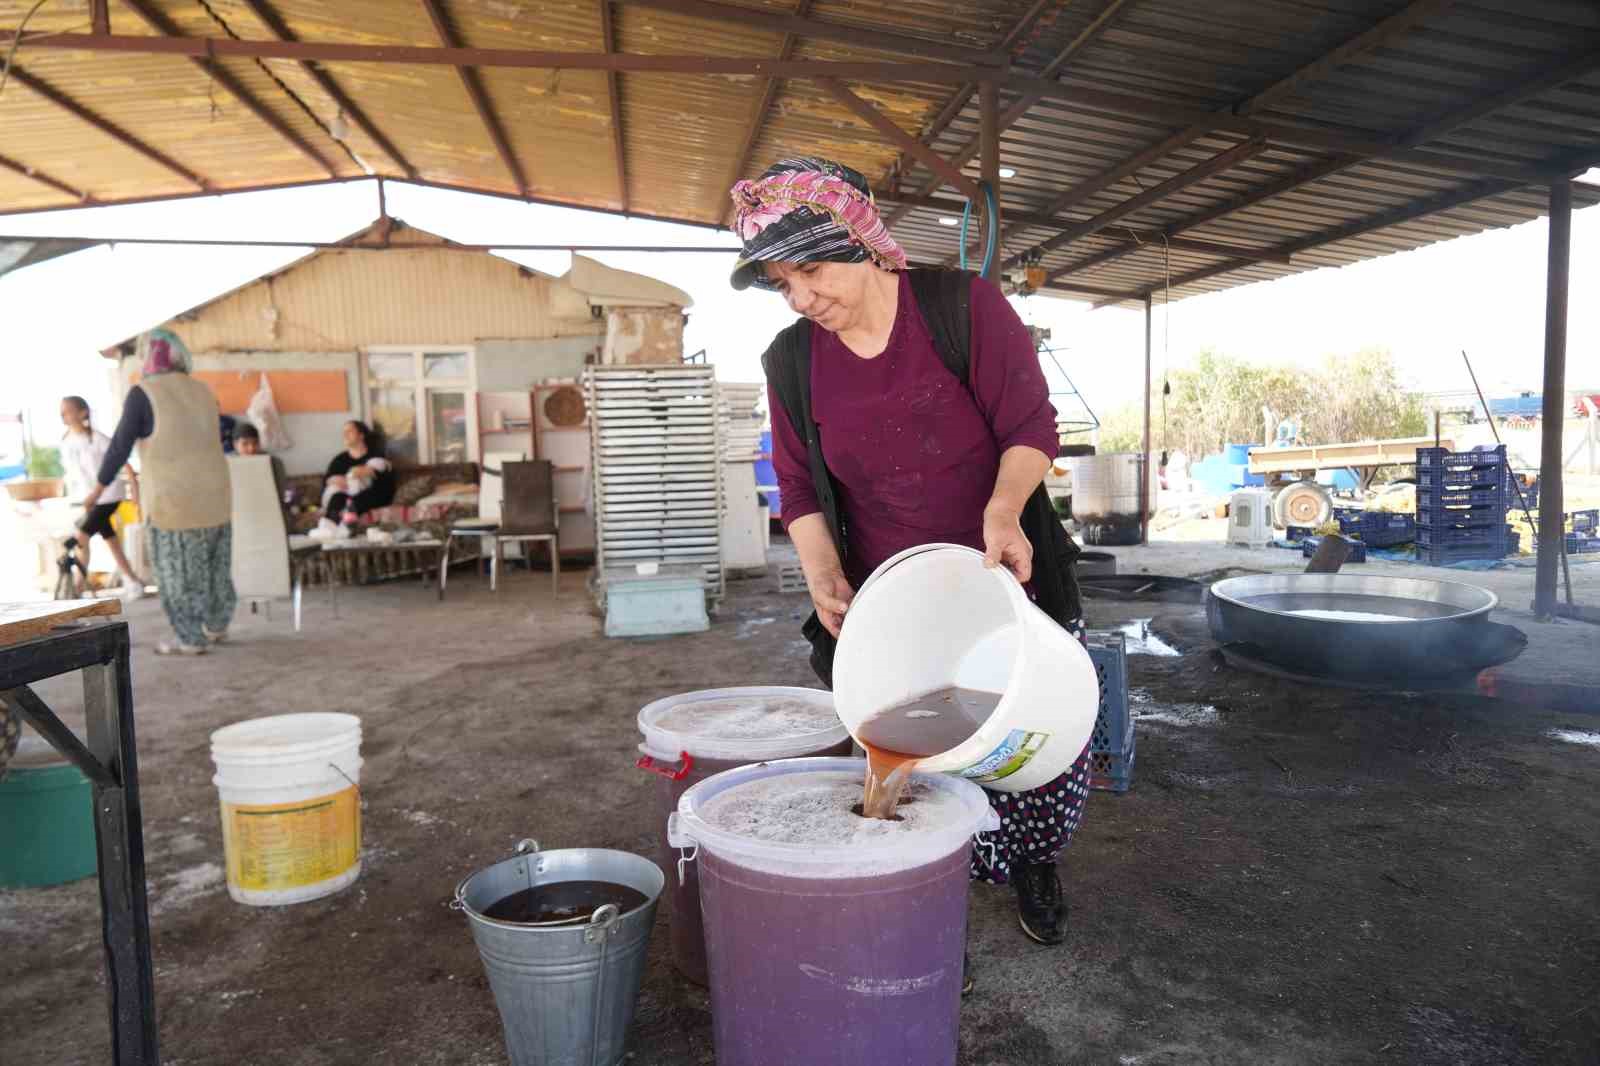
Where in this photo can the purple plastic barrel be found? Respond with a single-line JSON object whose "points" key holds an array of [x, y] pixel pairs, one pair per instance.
{"points": [[830, 950], [685, 747]]}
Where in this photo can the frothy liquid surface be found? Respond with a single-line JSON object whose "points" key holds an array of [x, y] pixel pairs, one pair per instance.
{"points": [[898, 738], [1349, 616], [814, 808], [750, 718]]}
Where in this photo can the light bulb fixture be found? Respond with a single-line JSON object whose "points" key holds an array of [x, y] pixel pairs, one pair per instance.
{"points": [[1008, 172], [339, 129], [949, 220]]}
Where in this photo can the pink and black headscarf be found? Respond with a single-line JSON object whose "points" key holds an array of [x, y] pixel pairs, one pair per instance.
{"points": [[808, 211]]}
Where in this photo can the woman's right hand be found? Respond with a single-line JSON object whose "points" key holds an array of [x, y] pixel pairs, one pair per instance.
{"points": [[830, 595]]}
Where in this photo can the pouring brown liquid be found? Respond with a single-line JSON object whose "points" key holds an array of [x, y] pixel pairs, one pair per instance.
{"points": [[902, 736]]}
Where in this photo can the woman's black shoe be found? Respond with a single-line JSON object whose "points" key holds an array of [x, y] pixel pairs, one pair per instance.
{"points": [[1040, 907]]}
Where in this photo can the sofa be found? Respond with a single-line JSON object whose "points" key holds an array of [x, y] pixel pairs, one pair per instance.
{"points": [[426, 496]]}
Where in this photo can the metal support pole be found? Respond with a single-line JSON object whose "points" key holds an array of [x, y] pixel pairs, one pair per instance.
{"points": [[1144, 467], [1552, 528], [989, 154]]}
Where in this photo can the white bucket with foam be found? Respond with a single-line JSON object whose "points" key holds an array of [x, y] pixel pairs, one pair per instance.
{"points": [[290, 791], [935, 617]]}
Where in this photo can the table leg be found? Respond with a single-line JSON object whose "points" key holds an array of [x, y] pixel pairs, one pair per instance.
{"points": [[119, 838], [299, 595]]}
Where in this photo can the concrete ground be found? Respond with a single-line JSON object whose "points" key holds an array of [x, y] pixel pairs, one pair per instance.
{"points": [[1299, 875]]}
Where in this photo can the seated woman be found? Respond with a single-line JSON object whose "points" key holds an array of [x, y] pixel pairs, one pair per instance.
{"points": [[359, 479]]}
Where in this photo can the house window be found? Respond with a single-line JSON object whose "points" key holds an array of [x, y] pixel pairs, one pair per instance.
{"points": [[422, 399]]}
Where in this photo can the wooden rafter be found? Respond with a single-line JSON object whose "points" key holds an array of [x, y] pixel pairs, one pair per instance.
{"points": [[214, 70], [608, 41], [280, 29], [472, 82], [106, 126], [759, 113]]}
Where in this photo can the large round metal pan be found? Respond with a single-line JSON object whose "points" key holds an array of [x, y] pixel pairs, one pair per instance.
{"points": [[1365, 626]]}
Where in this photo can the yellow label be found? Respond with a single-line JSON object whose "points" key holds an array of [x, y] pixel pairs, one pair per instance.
{"points": [[271, 847]]}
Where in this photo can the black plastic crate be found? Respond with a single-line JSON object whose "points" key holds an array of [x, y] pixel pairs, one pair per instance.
{"points": [[1111, 745]]}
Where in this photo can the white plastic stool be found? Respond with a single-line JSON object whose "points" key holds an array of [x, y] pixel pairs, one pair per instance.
{"points": [[1250, 518]]}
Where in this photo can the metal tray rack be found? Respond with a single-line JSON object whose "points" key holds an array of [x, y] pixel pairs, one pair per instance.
{"points": [[655, 438]]}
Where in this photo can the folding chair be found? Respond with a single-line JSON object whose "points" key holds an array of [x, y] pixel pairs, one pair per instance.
{"points": [[528, 513]]}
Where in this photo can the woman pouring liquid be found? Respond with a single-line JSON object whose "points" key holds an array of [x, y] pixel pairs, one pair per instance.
{"points": [[909, 407]]}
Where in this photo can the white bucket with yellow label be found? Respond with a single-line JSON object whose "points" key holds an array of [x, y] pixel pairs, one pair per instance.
{"points": [[291, 806]]}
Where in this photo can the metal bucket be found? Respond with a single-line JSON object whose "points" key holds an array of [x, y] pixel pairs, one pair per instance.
{"points": [[565, 991]]}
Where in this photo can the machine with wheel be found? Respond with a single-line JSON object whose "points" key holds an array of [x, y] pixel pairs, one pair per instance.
{"points": [[1290, 472]]}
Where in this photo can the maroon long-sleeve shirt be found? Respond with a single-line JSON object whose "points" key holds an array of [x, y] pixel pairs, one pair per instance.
{"points": [[914, 451]]}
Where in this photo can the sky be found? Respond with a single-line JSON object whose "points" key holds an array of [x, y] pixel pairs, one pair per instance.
{"points": [[1483, 293]]}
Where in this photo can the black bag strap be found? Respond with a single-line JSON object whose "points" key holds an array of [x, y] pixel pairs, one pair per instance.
{"points": [[787, 364], [945, 299]]}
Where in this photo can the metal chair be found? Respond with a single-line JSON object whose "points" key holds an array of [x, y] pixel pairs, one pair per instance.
{"points": [[528, 513]]}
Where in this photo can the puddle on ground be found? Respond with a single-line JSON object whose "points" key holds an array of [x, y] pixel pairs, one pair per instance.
{"points": [[1143, 642], [1144, 708], [1575, 736]]}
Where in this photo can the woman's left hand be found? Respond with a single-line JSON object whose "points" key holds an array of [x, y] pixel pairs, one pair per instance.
{"points": [[1004, 542]]}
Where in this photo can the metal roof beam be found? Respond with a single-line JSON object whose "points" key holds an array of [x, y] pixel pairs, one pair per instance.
{"points": [[1394, 216], [758, 114], [280, 29], [106, 126], [900, 138], [1203, 171], [214, 70], [1577, 67], [43, 179], [962, 96], [473, 84], [804, 26], [1020, 107], [608, 40]]}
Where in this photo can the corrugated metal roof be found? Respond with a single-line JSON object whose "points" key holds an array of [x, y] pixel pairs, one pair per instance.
{"points": [[684, 135]]}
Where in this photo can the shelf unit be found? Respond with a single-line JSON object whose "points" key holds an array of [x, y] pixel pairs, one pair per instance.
{"points": [[657, 461]]}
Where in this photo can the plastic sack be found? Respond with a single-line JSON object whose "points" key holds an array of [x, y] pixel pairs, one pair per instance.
{"points": [[263, 413]]}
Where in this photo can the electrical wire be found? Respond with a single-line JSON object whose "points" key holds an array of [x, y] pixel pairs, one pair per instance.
{"points": [[11, 53]]}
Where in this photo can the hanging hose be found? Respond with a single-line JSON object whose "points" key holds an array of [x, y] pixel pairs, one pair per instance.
{"points": [[991, 238]]}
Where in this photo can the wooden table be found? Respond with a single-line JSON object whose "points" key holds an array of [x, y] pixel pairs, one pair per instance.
{"points": [[42, 640]]}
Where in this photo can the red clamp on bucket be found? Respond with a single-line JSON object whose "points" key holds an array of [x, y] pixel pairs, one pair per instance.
{"points": [[671, 773]]}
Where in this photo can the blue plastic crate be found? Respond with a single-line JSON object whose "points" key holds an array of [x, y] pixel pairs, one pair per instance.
{"points": [[1458, 495], [1111, 746], [1358, 550], [1440, 460], [1480, 481], [1442, 518], [1582, 543], [1585, 521], [1513, 542], [1488, 536], [1459, 553], [1294, 534], [1378, 529]]}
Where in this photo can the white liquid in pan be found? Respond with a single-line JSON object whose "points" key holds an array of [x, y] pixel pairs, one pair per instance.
{"points": [[1349, 616]]}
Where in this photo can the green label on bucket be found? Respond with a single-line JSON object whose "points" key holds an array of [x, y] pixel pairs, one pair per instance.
{"points": [[1012, 755]]}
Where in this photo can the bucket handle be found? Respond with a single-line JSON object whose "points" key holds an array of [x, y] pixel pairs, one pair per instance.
{"points": [[602, 923], [458, 901], [688, 847], [668, 771]]}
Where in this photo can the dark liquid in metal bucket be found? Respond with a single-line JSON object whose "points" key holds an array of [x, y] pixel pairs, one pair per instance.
{"points": [[897, 739], [563, 901]]}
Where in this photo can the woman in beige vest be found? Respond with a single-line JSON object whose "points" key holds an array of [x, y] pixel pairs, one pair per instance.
{"points": [[186, 498]]}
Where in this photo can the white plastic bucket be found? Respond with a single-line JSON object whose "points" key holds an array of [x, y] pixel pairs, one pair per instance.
{"points": [[934, 617], [290, 793], [666, 745]]}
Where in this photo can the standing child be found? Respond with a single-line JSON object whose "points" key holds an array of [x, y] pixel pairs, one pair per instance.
{"points": [[82, 450]]}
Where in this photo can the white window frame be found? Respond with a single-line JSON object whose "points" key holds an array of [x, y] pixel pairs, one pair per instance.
{"points": [[420, 387]]}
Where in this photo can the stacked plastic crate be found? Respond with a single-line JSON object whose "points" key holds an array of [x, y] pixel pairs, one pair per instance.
{"points": [[1461, 505]]}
